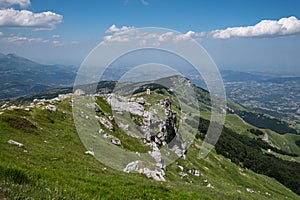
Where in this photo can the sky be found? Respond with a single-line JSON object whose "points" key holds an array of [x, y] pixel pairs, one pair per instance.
{"points": [[255, 35]]}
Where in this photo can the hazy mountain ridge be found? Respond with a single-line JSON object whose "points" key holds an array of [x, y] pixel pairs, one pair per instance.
{"points": [[21, 76]]}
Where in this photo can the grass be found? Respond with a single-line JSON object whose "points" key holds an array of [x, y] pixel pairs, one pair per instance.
{"points": [[52, 165]]}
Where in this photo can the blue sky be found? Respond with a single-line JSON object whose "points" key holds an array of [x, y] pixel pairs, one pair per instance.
{"points": [[72, 29]]}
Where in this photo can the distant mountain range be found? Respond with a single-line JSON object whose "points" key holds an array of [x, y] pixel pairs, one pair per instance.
{"points": [[20, 76]]}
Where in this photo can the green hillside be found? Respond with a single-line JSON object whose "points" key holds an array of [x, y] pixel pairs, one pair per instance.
{"points": [[52, 164]]}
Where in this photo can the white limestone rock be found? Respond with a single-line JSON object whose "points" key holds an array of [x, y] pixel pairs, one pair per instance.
{"points": [[112, 139], [136, 166], [105, 123], [15, 143], [51, 108], [92, 153]]}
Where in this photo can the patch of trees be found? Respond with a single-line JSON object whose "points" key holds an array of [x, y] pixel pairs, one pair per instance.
{"points": [[297, 142], [262, 121], [264, 145], [256, 132], [246, 152]]}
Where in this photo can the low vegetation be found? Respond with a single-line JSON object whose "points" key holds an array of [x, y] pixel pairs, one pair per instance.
{"points": [[52, 164]]}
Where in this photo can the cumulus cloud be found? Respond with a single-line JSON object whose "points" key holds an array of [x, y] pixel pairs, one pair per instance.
{"points": [[265, 28], [1, 34], [115, 30], [126, 33], [25, 18], [9, 3]]}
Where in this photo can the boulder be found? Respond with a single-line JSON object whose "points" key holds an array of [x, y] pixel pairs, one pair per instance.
{"points": [[112, 139], [90, 153], [195, 172], [136, 166], [15, 143], [51, 108], [180, 167], [101, 131], [141, 100], [182, 174], [249, 190]]}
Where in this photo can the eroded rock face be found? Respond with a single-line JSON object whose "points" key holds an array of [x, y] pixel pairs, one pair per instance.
{"points": [[157, 126]]}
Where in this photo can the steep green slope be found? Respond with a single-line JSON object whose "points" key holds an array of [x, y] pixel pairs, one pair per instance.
{"points": [[53, 165]]}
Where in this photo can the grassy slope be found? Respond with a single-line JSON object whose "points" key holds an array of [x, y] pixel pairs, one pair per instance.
{"points": [[285, 142], [55, 167]]}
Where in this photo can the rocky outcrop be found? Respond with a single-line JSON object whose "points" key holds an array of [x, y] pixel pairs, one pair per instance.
{"points": [[51, 108], [157, 130], [195, 172], [156, 155], [112, 139], [105, 123], [121, 104], [137, 166]]}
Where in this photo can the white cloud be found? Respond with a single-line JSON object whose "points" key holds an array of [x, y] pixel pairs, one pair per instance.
{"points": [[115, 30], [145, 3], [1, 34], [126, 33], [9, 3], [57, 43], [265, 28], [55, 36], [74, 43], [22, 39], [25, 18]]}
